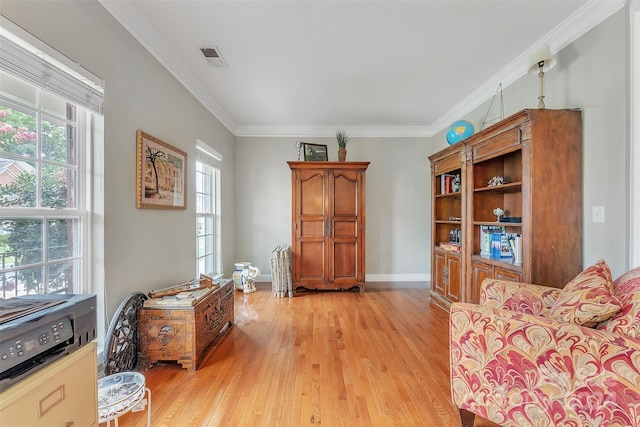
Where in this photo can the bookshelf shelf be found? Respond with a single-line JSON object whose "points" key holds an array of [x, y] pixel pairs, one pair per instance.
{"points": [[538, 154], [454, 195], [503, 188], [498, 224], [508, 262]]}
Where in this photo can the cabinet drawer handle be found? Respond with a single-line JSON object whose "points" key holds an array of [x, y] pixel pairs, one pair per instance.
{"points": [[51, 400]]}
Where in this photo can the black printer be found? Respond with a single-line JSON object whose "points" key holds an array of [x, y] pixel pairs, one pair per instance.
{"points": [[36, 330]]}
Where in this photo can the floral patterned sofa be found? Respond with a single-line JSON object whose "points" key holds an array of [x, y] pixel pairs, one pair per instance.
{"points": [[531, 355]]}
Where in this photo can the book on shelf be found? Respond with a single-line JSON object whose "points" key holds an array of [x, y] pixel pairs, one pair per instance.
{"points": [[495, 246], [505, 248], [485, 237], [446, 181], [515, 244], [450, 246], [506, 245]]}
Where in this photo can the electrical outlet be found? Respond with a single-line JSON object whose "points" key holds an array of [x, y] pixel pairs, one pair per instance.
{"points": [[597, 213]]}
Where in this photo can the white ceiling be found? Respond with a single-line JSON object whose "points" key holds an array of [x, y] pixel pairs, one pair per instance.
{"points": [[383, 68]]}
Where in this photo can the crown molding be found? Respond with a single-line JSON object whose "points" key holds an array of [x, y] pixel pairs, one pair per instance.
{"points": [[128, 16], [330, 131], [575, 26], [588, 16]]}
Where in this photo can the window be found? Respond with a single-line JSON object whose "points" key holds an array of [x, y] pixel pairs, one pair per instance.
{"points": [[43, 212], [45, 182], [208, 238]]}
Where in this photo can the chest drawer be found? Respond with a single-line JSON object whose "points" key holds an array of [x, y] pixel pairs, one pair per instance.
{"points": [[64, 393]]}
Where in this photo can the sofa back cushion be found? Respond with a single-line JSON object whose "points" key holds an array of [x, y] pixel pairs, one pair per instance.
{"points": [[588, 299], [627, 321], [519, 297]]}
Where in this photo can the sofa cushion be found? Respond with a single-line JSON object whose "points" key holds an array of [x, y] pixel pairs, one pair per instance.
{"points": [[627, 322], [516, 296], [588, 299]]}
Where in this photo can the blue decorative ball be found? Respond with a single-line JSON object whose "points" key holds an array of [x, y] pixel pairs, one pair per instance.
{"points": [[459, 130]]}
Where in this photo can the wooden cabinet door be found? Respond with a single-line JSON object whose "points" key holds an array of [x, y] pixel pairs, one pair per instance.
{"points": [[483, 271], [480, 272], [438, 279], [345, 237], [311, 224], [454, 282], [504, 274]]}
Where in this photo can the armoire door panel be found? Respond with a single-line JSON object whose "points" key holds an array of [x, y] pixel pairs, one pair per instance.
{"points": [[310, 264], [345, 190], [312, 193], [345, 255], [345, 228], [312, 228]]}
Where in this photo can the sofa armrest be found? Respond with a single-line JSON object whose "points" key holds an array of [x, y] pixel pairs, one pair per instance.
{"points": [[518, 369], [515, 296]]}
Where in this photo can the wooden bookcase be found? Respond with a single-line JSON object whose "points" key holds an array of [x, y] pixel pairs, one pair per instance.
{"points": [[328, 225], [449, 207], [538, 153]]}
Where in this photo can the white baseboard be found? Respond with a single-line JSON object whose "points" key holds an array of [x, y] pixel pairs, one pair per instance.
{"points": [[397, 277], [369, 278]]}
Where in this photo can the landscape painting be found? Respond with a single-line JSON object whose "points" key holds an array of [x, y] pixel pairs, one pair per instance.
{"points": [[161, 174]]}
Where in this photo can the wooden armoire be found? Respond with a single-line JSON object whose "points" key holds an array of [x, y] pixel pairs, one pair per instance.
{"points": [[328, 225]]}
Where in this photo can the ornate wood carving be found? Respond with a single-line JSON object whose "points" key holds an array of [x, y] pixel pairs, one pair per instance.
{"points": [[121, 343], [183, 334]]}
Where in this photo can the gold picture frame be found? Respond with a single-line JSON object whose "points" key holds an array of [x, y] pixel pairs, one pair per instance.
{"points": [[161, 174]]}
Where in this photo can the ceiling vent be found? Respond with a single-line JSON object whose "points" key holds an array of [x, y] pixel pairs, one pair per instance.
{"points": [[212, 55]]}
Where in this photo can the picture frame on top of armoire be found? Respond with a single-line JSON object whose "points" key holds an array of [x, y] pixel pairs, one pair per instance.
{"points": [[161, 178], [315, 152]]}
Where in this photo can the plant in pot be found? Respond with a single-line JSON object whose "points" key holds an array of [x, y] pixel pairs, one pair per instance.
{"points": [[342, 138]]}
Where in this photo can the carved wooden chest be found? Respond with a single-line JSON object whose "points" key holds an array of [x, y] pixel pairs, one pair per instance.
{"points": [[183, 333]]}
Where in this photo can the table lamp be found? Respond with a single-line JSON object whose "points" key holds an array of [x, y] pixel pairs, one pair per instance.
{"points": [[541, 62]]}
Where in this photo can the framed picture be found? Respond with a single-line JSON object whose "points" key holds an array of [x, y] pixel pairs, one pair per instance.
{"points": [[315, 152], [161, 174]]}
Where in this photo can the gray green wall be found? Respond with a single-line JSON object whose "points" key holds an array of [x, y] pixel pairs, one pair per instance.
{"points": [[591, 75], [146, 249], [397, 199]]}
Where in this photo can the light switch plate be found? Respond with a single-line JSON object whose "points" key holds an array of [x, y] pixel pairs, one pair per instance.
{"points": [[597, 213]]}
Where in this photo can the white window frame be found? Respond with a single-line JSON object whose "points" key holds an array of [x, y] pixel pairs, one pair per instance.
{"points": [[27, 57], [209, 157], [634, 145], [79, 212]]}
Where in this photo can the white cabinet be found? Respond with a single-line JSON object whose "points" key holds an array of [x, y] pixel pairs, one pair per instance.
{"points": [[63, 394]]}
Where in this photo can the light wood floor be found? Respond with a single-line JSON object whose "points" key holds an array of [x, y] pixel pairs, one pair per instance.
{"points": [[333, 358]]}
